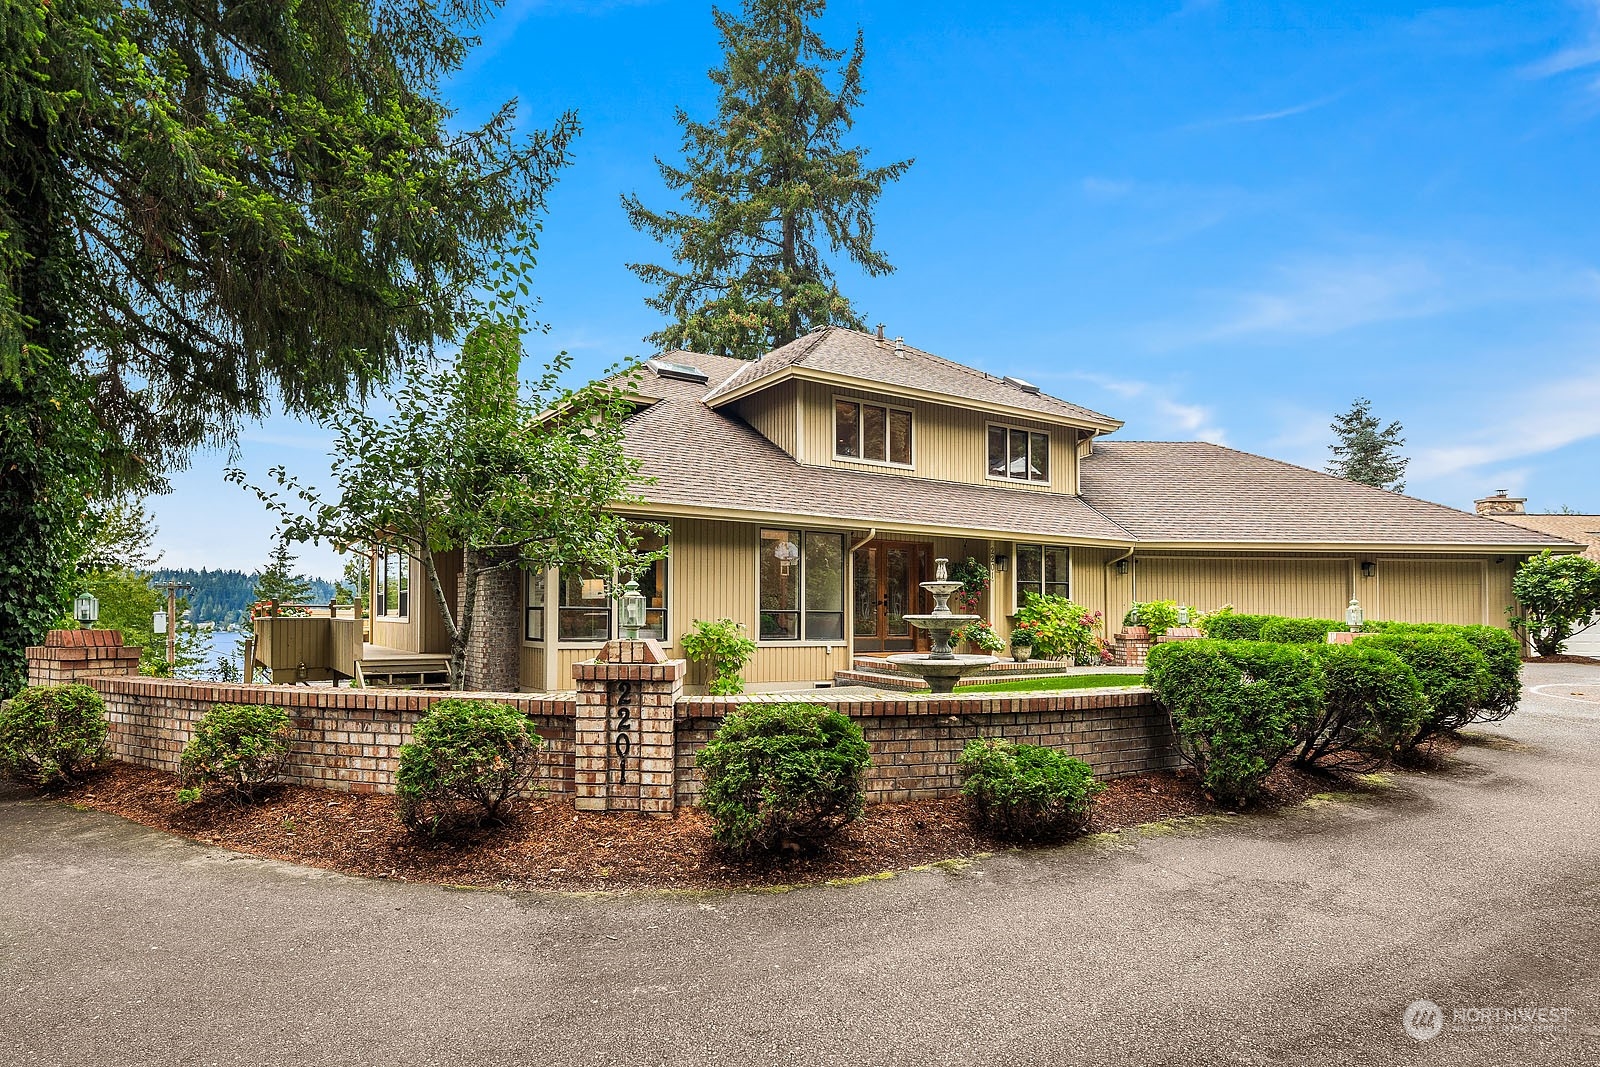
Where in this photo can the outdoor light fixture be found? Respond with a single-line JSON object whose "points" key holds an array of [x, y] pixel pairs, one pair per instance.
{"points": [[1353, 615], [1122, 566], [1183, 615], [632, 610], [1000, 562], [1368, 568], [85, 609]]}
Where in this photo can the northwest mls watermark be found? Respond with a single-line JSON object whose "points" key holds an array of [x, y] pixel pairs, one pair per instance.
{"points": [[1424, 1020]]}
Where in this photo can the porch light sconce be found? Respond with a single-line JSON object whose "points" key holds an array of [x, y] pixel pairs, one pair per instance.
{"points": [[1001, 562], [1368, 568], [86, 610], [632, 610], [1353, 615], [1122, 566]]}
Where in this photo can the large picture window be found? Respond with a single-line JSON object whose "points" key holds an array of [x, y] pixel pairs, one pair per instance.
{"points": [[801, 593], [392, 598], [1020, 455], [586, 612], [872, 432], [1043, 569]]}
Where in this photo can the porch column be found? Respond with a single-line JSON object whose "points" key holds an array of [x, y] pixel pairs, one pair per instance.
{"points": [[625, 743]]}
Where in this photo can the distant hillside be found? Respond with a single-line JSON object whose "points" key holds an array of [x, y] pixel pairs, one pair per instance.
{"points": [[224, 597]]}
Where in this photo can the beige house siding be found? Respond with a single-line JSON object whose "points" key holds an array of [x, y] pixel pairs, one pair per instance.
{"points": [[423, 628], [774, 414], [948, 443], [1310, 587]]}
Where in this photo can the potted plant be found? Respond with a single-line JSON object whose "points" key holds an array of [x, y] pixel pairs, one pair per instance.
{"points": [[1023, 636], [974, 579], [981, 636]]}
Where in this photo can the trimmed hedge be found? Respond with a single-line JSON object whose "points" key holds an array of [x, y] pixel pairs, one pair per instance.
{"points": [[1238, 707], [783, 776], [52, 733], [1455, 677], [1297, 631], [1372, 704], [468, 761], [1026, 791], [1231, 626], [239, 747], [1498, 646]]}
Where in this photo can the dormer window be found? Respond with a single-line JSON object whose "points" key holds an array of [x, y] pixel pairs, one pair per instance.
{"points": [[1019, 455], [871, 433]]}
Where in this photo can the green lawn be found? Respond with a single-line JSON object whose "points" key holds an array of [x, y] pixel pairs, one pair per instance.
{"points": [[1068, 681]]}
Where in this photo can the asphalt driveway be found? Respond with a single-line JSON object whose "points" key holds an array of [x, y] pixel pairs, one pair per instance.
{"points": [[1271, 940]]}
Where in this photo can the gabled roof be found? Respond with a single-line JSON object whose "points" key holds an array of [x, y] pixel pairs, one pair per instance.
{"points": [[1194, 492], [714, 463], [1580, 529], [834, 353]]}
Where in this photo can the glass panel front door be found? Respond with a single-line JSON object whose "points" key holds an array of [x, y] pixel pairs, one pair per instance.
{"points": [[887, 589]]}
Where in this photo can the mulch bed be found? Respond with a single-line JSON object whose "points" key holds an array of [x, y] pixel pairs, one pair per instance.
{"points": [[549, 845], [1561, 659]]}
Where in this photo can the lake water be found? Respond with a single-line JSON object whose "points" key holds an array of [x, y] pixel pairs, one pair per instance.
{"points": [[220, 645]]}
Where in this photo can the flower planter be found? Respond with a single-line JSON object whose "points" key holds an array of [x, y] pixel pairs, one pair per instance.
{"points": [[1022, 653], [1136, 633]]}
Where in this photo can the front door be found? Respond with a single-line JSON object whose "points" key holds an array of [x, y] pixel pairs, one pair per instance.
{"points": [[888, 577]]}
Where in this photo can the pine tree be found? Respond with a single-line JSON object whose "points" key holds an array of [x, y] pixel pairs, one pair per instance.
{"points": [[279, 583], [1362, 452], [764, 184]]}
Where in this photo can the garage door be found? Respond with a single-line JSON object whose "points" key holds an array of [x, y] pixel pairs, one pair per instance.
{"points": [[1311, 588], [1417, 591]]}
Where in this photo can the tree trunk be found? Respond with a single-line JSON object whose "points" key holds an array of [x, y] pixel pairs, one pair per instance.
{"points": [[493, 647]]}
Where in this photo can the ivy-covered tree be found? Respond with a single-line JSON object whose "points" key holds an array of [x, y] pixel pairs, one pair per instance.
{"points": [[514, 477], [1366, 451], [206, 208], [1559, 597], [765, 185]]}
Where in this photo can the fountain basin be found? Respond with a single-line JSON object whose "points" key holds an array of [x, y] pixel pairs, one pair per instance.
{"points": [[941, 674]]}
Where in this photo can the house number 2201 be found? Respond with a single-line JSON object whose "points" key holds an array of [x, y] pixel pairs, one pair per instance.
{"points": [[622, 740]]}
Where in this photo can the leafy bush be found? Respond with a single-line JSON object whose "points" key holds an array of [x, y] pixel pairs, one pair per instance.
{"points": [[1372, 703], [725, 649], [52, 733], [1560, 595], [1229, 625], [1158, 615], [468, 761], [1026, 791], [1238, 707], [783, 775], [1060, 628], [982, 636], [1455, 678], [239, 747], [1498, 647], [1298, 631]]}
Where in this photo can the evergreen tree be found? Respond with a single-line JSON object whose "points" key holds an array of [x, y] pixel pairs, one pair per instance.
{"points": [[280, 584], [1364, 452], [204, 207], [763, 184]]}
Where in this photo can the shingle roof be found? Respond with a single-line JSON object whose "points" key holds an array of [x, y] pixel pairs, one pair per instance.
{"points": [[1176, 491], [836, 350], [1579, 529], [701, 458]]}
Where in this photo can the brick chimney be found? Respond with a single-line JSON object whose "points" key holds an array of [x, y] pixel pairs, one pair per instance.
{"points": [[1502, 504]]}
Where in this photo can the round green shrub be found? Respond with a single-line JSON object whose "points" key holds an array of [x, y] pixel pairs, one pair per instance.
{"points": [[1372, 703], [1238, 707], [1455, 678], [1232, 626], [783, 775], [239, 748], [468, 760], [1297, 631], [52, 733], [1499, 648], [1026, 791]]}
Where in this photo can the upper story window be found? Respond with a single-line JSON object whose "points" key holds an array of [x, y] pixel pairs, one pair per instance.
{"points": [[875, 433], [392, 598], [1020, 455]]}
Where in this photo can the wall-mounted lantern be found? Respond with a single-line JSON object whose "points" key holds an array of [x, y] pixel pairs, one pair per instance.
{"points": [[86, 610], [1368, 568], [633, 610], [1353, 615], [1001, 562], [1122, 566]]}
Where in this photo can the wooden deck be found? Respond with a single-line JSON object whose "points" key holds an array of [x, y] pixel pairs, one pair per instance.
{"points": [[381, 667]]}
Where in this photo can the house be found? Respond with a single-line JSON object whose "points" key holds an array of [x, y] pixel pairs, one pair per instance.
{"points": [[809, 492], [1580, 529]]}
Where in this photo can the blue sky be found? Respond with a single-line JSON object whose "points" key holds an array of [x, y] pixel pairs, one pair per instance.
{"points": [[1210, 219]]}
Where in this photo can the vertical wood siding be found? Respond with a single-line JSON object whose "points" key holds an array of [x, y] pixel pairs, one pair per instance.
{"points": [[1308, 587], [773, 414], [423, 628], [1413, 590], [948, 443]]}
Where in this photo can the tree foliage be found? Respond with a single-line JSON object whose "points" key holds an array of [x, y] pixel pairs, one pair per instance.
{"points": [[472, 460], [1366, 451], [1560, 596], [280, 582], [208, 208], [764, 185]]}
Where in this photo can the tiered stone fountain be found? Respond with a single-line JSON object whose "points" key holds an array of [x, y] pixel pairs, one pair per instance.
{"points": [[941, 668]]}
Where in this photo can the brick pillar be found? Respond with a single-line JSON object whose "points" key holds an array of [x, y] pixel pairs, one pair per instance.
{"points": [[624, 736], [494, 644], [69, 656]]}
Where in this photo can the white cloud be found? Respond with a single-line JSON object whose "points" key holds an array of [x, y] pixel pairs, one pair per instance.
{"points": [[1585, 53], [1106, 188], [1267, 116], [1526, 423], [1176, 418], [1325, 297]]}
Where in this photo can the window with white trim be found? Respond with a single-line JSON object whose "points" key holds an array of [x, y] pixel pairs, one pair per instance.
{"points": [[801, 585], [533, 596], [875, 433], [1018, 454], [1043, 569], [392, 597]]}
